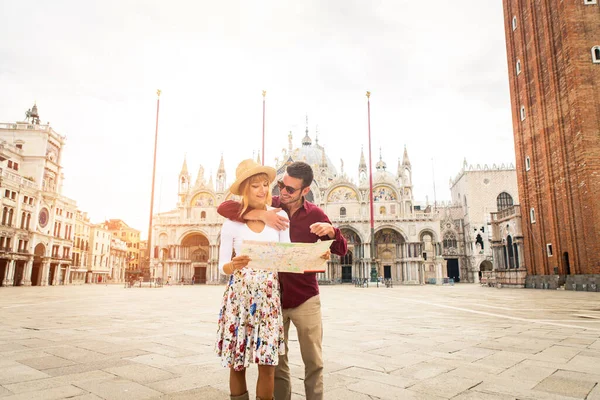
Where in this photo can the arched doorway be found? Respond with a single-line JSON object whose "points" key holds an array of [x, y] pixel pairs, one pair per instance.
{"points": [[485, 270], [36, 270], [354, 254], [196, 248], [347, 267], [389, 247]]}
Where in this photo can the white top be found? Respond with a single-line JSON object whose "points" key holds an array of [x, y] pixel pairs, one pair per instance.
{"points": [[234, 233]]}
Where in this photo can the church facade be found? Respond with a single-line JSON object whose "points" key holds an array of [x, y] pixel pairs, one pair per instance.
{"points": [[414, 243]]}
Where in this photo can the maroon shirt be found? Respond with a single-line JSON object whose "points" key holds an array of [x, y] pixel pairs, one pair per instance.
{"points": [[296, 288]]}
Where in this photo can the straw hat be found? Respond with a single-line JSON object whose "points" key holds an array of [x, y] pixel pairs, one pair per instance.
{"points": [[248, 168]]}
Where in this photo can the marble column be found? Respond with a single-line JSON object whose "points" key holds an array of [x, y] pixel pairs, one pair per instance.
{"points": [[45, 273], [27, 273], [8, 279]]}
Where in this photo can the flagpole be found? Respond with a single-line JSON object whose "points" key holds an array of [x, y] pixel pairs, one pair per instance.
{"points": [[371, 190], [152, 192], [264, 94]]}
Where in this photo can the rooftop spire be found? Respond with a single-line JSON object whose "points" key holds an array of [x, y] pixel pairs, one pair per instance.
{"points": [[221, 165], [381, 165], [362, 163], [306, 141], [405, 159], [184, 168]]}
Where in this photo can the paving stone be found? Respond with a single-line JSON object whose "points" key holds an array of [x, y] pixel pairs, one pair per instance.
{"points": [[140, 373], [566, 384], [418, 338], [528, 372], [61, 392], [382, 391], [445, 386], [590, 365], [557, 354], [118, 389], [345, 394], [49, 383], [473, 395], [424, 370], [188, 382], [47, 362], [75, 353], [365, 374], [19, 373], [594, 394], [204, 393], [501, 360]]}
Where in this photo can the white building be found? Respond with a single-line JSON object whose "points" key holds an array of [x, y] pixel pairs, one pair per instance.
{"points": [[99, 269], [407, 235], [36, 235], [118, 261], [481, 191]]}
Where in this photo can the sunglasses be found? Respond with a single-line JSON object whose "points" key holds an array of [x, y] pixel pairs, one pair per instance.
{"points": [[289, 189]]}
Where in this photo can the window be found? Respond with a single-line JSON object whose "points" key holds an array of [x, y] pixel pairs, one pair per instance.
{"points": [[449, 239], [527, 163], [7, 193], [549, 249], [10, 164], [504, 200], [514, 22], [522, 113], [203, 215], [596, 54], [532, 215], [19, 146], [518, 67], [343, 212], [382, 210], [587, 2]]}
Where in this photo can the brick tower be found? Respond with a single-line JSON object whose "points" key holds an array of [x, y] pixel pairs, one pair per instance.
{"points": [[553, 50]]}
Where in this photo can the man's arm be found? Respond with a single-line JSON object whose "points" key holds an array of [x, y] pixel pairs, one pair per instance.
{"points": [[326, 231], [231, 210]]}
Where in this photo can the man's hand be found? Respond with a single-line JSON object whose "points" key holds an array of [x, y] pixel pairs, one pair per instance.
{"points": [[275, 221], [323, 229], [239, 262], [326, 255]]}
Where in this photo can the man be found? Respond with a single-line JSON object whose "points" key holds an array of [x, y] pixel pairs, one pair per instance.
{"points": [[299, 292]]}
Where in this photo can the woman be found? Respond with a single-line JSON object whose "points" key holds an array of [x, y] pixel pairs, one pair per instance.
{"points": [[250, 321]]}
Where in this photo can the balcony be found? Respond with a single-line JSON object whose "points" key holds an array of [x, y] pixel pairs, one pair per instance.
{"points": [[5, 249], [506, 213], [18, 179]]}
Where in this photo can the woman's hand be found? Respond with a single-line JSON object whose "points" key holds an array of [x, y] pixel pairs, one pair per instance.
{"points": [[326, 255], [239, 262]]}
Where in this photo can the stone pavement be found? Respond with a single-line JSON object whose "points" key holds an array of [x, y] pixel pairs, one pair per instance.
{"points": [[428, 342]]}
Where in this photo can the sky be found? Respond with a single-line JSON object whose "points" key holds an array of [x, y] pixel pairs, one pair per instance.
{"points": [[436, 70]]}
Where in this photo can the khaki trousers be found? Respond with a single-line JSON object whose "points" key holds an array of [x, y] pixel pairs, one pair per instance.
{"points": [[307, 320]]}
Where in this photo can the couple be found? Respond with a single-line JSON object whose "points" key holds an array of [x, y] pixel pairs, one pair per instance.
{"points": [[258, 306]]}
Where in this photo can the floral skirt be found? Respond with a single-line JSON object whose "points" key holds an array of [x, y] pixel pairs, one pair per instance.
{"points": [[250, 328]]}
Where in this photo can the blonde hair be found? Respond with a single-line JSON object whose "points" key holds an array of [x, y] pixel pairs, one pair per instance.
{"points": [[245, 190]]}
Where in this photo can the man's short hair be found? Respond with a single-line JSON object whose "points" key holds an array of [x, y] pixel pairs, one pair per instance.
{"points": [[301, 170]]}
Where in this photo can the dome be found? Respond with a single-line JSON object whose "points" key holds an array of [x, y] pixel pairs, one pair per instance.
{"points": [[382, 176], [313, 155]]}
